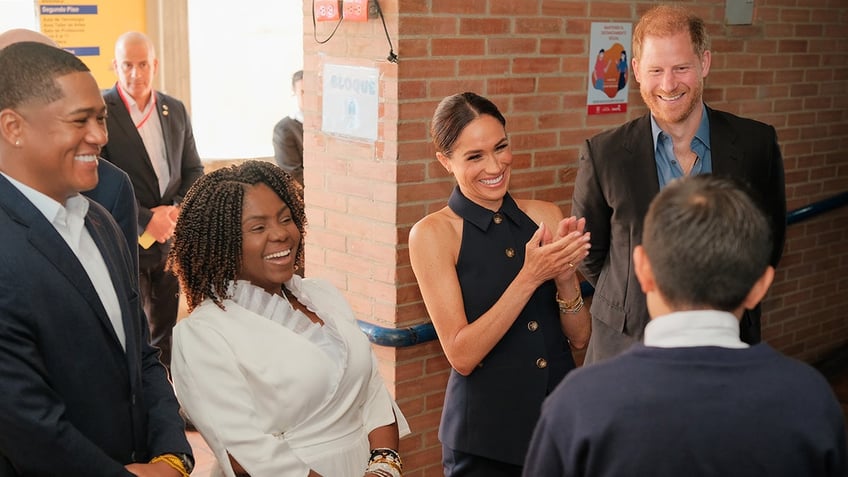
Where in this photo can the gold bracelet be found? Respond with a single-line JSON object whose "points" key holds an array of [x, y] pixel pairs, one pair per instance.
{"points": [[571, 306], [172, 461], [574, 309], [570, 303]]}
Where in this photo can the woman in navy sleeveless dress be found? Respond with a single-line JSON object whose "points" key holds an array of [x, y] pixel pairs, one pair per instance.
{"points": [[498, 278]]}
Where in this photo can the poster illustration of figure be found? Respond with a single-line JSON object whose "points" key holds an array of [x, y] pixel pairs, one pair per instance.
{"points": [[599, 73], [609, 68], [622, 70]]}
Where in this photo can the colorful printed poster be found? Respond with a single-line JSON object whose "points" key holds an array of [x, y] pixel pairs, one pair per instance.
{"points": [[609, 68], [89, 29]]}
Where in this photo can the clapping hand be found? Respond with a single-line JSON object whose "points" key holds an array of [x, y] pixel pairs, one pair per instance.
{"points": [[566, 229], [556, 256]]}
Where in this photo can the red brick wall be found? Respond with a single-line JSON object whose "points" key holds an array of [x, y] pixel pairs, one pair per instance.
{"points": [[789, 69]]}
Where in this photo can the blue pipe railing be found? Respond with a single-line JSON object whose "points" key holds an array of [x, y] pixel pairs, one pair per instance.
{"points": [[417, 334], [817, 208]]}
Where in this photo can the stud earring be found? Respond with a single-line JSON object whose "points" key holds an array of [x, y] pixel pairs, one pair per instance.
{"points": [[18, 142]]}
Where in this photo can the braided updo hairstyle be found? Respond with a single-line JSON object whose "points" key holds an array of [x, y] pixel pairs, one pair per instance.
{"points": [[206, 253]]}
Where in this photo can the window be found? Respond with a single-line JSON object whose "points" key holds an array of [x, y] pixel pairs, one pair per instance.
{"points": [[242, 58], [17, 14]]}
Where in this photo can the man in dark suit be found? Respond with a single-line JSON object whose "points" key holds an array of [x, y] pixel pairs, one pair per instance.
{"points": [[114, 189], [621, 170], [288, 135], [81, 390], [151, 139]]}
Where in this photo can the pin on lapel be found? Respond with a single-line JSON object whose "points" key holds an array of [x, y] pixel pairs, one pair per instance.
{"points": [[164, 110]]}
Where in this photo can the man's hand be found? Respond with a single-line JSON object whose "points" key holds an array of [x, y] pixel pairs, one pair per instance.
{"points": [[159, 469], [162, 223], [174, 214]]}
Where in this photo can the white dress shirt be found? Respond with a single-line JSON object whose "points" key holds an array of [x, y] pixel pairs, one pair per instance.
{"points": [[152, 137]]}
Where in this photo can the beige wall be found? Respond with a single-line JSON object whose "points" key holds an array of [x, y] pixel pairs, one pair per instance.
{"points": [[168, 29]]}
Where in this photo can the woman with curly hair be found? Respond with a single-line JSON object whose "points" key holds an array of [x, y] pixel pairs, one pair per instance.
{"points": [[270, 367]]}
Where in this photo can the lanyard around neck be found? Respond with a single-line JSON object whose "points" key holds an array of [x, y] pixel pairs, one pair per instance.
{"points": [[152, 108]]}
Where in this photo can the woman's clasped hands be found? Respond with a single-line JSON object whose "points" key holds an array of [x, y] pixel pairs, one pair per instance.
{"points": [[556, 254]]}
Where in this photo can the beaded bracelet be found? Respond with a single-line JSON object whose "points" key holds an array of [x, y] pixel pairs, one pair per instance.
{"points": [[385, 462], [172, 461], [386, 471]]}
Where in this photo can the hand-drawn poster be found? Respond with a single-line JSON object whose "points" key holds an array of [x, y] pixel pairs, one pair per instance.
{"points": [[609, 68]]}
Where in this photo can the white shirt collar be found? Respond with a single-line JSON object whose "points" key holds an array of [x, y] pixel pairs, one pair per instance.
{"points": [[76, 205], [685, 329], [135, 108]]}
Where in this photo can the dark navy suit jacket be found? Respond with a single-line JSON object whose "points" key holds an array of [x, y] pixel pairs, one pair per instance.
{"points": [[72, 401]]}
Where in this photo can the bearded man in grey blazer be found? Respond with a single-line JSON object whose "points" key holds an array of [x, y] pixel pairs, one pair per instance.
{"points": [[621, 170]]}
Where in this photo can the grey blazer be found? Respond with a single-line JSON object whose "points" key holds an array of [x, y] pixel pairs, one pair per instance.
{"points": [[616, 180]]}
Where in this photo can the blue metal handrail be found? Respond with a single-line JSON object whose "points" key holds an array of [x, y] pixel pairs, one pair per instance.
{"points": [[398, 337], [817, 208], [424, 332]]}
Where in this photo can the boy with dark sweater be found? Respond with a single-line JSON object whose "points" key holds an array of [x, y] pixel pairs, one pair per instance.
{"points": [[694, 399]]}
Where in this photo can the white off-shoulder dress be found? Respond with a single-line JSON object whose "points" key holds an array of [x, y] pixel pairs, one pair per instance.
{"points": [[280, 393]]}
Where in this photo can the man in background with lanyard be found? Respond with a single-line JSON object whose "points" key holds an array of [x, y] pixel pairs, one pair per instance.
{"points": [[151, 139]]}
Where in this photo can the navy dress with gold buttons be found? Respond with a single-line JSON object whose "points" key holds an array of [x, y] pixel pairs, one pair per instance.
{"points": [[492, 412]]}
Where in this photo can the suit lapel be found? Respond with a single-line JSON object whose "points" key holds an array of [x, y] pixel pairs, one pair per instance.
{"points": [[119, 115], [163, 109], [726, 156], [117, 266], [640, 146], [47, 240]]}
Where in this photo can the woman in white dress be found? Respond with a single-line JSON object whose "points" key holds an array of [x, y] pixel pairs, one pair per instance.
{"points": [[271, 368]]}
